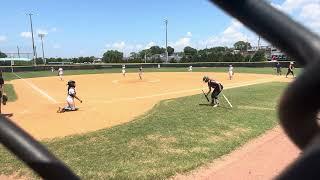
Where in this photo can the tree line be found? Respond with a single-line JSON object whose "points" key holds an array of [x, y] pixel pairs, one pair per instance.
{"points": [[189, 54], [156, 54]]}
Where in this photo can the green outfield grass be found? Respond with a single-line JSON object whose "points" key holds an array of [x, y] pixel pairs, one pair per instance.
{"points": [[33, 74], [176, 136]]}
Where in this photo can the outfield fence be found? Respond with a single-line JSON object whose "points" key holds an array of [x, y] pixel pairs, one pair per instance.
{"points": [[144, 65]]}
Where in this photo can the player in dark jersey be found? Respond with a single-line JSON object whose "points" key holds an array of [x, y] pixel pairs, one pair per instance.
{"points": [[217, 88], [278, 67]]}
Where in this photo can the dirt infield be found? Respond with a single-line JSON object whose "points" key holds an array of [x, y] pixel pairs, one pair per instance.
{"points": [[109, 99]]}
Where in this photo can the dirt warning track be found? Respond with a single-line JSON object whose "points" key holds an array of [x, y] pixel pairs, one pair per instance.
{"points": [[108, 99]]}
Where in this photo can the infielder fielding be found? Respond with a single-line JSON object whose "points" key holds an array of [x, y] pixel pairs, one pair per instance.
{"points": [[217, 88]]}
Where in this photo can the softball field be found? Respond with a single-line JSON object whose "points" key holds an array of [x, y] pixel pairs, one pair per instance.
{"points": [[109, 99]]}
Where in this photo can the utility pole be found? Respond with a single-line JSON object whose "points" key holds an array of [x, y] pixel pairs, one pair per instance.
{"points": [[41, 35], [207, 52], [33, 47], [145, 57], [259, 42], [18, 51], [166, 22]]}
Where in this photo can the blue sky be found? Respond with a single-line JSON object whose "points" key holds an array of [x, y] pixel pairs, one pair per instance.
{"points": [[85, 28]]}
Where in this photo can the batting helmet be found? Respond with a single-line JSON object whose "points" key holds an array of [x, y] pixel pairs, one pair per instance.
{"points": [[205, 78], [71, 83]]}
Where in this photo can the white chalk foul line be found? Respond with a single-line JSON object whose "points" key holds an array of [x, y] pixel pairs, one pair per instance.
{"points": [[154, 81], [151, 81], [186, 91], [38, 90], [256, 108], [115, 81]]}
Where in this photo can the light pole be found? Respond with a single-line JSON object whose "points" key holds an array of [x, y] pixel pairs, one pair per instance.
{"points": [[18, 51], [33, 47], [41, 35], [166, 22]]}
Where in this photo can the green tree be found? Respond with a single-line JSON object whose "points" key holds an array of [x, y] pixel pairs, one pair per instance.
{"points": [[238, 58], [144, 53], [241, 45], [259, 56], [189, 51], [39, 61], [134, 55], [3, 55], [229, 57], [157, 50], [112, 56], [172, 60], [170, 50], [247, 58]]}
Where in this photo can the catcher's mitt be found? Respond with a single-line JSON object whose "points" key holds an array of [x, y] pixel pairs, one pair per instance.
{"points": [[4, 99]]}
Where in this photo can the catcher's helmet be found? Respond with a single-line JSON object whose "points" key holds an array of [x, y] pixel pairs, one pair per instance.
{"points": [[205, 78]]}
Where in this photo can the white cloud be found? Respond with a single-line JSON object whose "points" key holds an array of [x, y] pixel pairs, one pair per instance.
{"points": [[181, 43], [149, 45], [56, 46], [119, 45], [54, 29], [139, 46], [311, 11], [306, 12], [26, 34], [3, 38], [291, 5], [126, 48], [233, 33], [42, 31]]}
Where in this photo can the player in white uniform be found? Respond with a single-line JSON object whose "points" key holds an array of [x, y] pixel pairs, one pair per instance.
{"points": [[190, 69], [140, 72], [123, 70], [70, 98], [230, 72], [60, 73]]}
